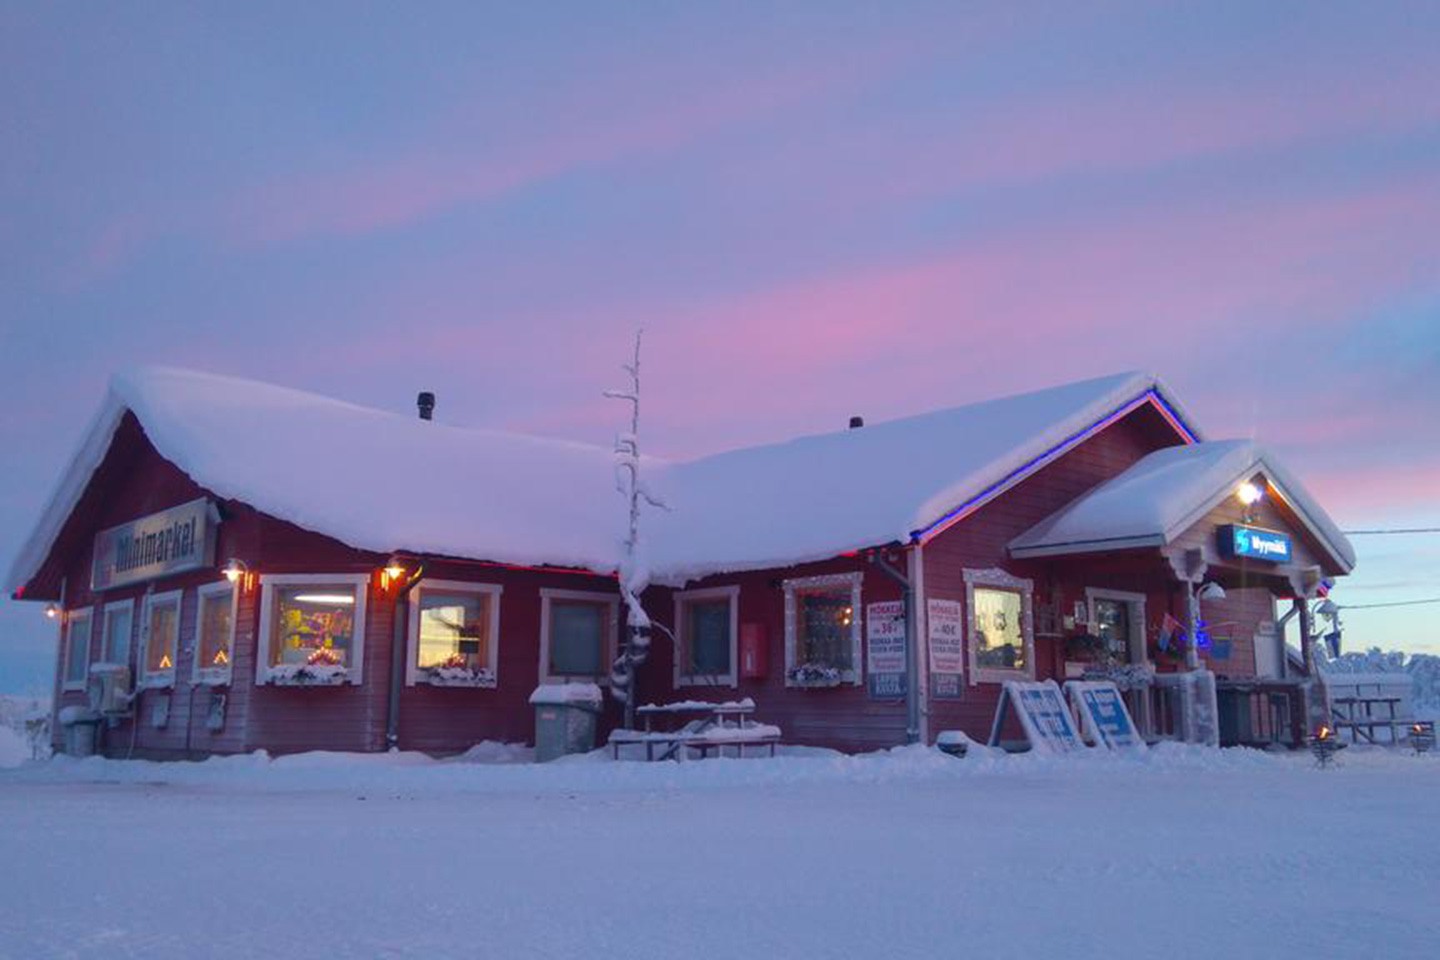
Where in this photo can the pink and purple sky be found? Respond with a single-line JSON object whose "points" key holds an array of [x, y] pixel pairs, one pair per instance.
{"points": [[814, 210]]}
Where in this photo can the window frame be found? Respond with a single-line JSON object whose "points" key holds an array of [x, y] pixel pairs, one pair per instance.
{"points": [[130, 641], [269, 583], [731, 594], [87, 614], [213, 676], [611, 643], [993, 578], [1138, 641], [492, 593], [158, 679], [855, 675]]}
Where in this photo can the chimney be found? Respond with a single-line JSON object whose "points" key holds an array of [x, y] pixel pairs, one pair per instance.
{"points": [[856, 423], [426, 402]]}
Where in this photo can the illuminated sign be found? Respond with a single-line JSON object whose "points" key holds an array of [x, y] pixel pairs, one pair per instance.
{"points": [[1254, 544], [171, 541]]}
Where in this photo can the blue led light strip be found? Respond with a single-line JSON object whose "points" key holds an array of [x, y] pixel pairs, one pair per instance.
{"points": [[974, 503]]}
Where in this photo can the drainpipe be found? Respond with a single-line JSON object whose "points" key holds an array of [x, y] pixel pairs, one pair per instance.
{"points": [[912, 676], [399, 628]]}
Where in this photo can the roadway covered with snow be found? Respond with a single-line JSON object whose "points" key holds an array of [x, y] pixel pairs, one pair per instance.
{"points": [[1180, 852]]}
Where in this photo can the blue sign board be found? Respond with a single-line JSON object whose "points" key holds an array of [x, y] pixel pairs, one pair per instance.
{"points": [[1253, 543]]}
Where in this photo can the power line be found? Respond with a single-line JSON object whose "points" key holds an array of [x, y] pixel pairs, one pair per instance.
{"points": [[1364, 533], [1397, 603]]}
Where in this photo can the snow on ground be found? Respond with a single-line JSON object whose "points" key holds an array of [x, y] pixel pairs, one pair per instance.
{"points": [[1181, 852]]}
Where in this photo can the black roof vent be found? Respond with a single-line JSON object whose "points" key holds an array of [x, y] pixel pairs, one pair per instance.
{"points": [[856, 423], [426, 402]]}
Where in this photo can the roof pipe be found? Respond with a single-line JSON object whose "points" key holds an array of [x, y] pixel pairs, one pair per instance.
{"points": [[912, 676]]}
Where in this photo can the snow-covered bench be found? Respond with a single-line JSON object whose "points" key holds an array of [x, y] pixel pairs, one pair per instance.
{"points": [[717, 726]]}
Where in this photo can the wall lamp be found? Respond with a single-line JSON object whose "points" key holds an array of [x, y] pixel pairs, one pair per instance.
{"points": [[1249, 493], [1210, 591], [52, 611]]}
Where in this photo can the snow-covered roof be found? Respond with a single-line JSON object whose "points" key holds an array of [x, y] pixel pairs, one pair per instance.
{"points": [[1167, 492], [818, 496], [381, 481]]}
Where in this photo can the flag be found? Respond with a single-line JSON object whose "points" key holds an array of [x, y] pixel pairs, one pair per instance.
{"points": [[1170, 632]]}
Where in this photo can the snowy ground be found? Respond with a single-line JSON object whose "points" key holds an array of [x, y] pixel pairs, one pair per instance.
{"points": [[1182, 853]]}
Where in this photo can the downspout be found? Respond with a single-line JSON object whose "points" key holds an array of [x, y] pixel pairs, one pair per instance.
{"points": [[912, 676], [399, 628]]}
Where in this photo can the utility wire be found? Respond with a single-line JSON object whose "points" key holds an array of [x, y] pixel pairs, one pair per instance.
{"points": [[1366, 533], [1397, 603]]}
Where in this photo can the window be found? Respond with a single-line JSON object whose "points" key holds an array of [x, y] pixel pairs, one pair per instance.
{"points": [[116, 626], [577, 635], [77, 649], [1000, 622], [454, 634], [215, 633], [312, 629], [706, 628], [822, 631], [161, 634]]}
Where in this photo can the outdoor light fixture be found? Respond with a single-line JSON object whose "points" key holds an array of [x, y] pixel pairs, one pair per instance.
{"points": [[394, 569], [1249, 494], [1327, 608], [52, 611], [1211, 591], [235, 569]]}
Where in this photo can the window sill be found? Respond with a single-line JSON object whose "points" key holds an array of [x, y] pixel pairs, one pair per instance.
{"points": [[483, 679], [157, 682], [820, 678], [307, 676], [994, 675], [707, 680], [213, 679]]}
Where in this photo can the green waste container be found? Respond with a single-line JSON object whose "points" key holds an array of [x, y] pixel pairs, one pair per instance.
{"points": [[79, 727], [565, 718]]}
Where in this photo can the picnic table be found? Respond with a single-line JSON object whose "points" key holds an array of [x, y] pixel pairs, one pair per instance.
{"points": [[707, 727]]}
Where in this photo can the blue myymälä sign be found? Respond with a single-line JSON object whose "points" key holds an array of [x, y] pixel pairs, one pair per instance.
{"points": [[1256, 544]]}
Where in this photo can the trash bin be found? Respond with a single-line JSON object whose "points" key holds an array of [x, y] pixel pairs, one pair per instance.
{"points": [[953, 742], [78, 726], [565, 716]]}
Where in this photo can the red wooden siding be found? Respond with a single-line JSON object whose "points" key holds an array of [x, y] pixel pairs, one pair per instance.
{"points": [[980, 541]]}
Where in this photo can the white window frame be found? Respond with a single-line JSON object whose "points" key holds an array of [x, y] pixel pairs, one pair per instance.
{"points": [[354, 670], [1138, 644], [201, 675], [158, 679], [87, 614], [136, 631], [730, 679], [492, 591], [855, 676], [1000, 580], [612, 643]]}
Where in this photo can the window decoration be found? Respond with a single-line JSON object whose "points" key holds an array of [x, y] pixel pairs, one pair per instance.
{"points": [[453, 634], [77, 649], [578, 632], [313, 629], [1000, 625], [707, 636], [117, 624], [822, 631], [161, 635], [215, 634]]}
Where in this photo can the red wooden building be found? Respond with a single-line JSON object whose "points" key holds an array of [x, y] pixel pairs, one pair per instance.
{"points": [[395, 581]]}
